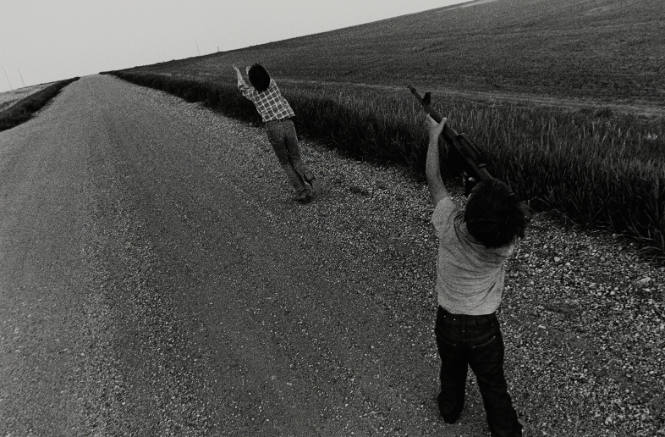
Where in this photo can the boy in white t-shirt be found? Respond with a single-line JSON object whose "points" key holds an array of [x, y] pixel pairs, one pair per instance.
{"points": [[473, 245]]}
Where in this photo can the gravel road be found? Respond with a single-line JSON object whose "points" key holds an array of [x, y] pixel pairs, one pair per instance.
{"points": [[157, 279]]}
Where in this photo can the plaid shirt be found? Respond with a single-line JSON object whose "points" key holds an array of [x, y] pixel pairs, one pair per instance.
{"points": [[270, 103]]}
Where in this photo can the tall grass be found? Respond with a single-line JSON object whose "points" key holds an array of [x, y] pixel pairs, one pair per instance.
{"points": [[22, 110], [598, 169]]}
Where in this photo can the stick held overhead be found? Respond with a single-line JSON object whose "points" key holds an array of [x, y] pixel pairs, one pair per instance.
{"points": [[470, 154]]}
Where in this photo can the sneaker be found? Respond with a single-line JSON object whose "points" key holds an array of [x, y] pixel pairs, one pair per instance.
{"points": [[305, 196], [309, 179], [448, 416]]}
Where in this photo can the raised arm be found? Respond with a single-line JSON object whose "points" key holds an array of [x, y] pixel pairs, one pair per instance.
{"points": [[432, 165], [241, 81], [247, 91]]}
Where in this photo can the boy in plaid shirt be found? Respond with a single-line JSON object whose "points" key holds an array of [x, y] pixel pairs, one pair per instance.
{"points": [[276, 114]]}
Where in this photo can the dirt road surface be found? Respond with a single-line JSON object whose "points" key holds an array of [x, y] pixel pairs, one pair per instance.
{"points": [[146, 290]]}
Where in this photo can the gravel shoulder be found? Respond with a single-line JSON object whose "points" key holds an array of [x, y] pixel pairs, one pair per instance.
{"points": [[206, 302], [583, 314]]}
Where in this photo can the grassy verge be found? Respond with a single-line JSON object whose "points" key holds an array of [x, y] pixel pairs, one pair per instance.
{"points": [[22, 110], [597, 168]]}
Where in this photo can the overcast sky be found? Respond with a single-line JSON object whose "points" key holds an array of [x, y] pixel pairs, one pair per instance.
{"points": [[46, 40]]}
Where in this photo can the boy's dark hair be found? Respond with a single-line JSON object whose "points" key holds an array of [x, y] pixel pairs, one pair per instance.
{"points": [[259, 77], [494, 215]]}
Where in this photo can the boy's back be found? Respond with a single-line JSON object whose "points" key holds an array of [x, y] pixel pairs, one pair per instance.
{"points": [[469, 275]]}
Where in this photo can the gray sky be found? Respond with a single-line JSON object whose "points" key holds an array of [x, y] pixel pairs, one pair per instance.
{"points": [[47, 40]]}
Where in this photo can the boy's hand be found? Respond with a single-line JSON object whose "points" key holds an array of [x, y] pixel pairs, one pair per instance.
{"points": [[433, 128]]}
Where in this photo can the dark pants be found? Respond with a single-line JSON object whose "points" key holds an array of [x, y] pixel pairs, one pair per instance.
{"points": [[284, 141], [474, 341]]}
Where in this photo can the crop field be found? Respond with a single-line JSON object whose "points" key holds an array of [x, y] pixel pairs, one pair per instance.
{"points": [[593, 164], [609, 50]]}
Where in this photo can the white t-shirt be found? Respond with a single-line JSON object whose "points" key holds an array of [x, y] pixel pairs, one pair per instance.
{"points": [[469, 276]]}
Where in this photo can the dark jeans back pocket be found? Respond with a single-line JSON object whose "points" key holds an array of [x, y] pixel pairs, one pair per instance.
{"points": [[492, 338]]}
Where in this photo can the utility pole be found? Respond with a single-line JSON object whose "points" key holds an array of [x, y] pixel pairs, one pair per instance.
{"points": [[21, 76], [7, 77], [197, 47]]}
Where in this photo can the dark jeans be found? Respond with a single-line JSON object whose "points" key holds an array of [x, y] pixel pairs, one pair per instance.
{"points": [[474, 341], [284, 141]]}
